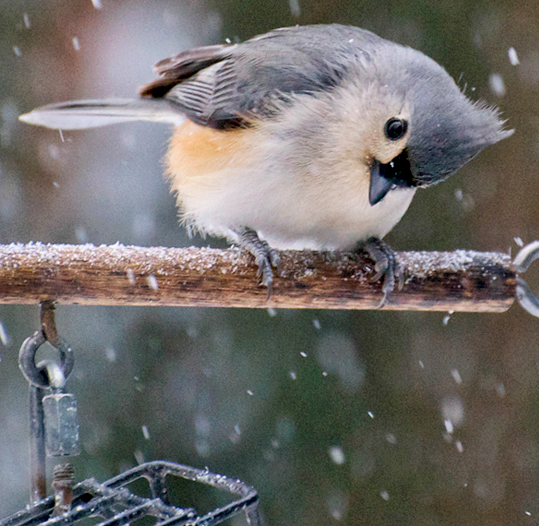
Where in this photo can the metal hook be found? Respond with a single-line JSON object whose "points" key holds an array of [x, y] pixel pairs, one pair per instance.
{"points": [[527, 299], [34, 373], [46, 374], [48, 323]]}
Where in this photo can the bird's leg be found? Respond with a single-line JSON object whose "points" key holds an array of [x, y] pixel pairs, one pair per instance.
{"points": [[386, 265], [265, 256]]}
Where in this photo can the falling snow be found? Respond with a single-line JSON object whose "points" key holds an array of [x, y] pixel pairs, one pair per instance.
{"points": [[513, 57], [111, 354], [456, 376], [295, 8], [145, 432], [152, 282], [497, 85], [4, 338], [336, 454]]}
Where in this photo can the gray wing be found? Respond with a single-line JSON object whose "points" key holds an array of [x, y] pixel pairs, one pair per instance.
{"points": [[222, 86]]}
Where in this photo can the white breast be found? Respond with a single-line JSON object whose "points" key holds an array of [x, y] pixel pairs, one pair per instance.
{"points": [[294, 210]]}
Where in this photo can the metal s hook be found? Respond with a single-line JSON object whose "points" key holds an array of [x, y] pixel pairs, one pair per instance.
{"points": [[527, 299], [54, 429], [46, 374], [36, 374]]}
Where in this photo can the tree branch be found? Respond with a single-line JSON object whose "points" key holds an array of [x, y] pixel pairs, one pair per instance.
{"points": [[204, 277]]}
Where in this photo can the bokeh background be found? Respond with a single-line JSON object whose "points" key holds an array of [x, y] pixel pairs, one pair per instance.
{"points": [[355, 418]]}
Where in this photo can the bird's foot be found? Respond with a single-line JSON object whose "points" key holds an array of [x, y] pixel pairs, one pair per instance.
{"points": [[386, 266], [266, 257]]}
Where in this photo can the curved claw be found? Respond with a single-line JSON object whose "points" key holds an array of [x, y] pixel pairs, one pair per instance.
{"points": [[386, 266], [266, 258], [265, 270]]}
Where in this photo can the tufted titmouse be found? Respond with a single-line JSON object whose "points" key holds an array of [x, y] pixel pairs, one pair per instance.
{"points": [[312, 137]]}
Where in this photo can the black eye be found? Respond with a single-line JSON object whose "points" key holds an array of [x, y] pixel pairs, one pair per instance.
{"points": [[395, 129]]}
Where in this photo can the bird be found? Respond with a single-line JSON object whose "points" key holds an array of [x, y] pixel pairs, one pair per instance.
{"points": [[304, 138]]}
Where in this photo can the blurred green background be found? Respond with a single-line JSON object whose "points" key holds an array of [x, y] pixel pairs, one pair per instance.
{"points": [[350, 414]]}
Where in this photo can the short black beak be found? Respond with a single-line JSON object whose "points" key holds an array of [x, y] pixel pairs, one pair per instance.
{"points": [[380, 185], [384, 177]]}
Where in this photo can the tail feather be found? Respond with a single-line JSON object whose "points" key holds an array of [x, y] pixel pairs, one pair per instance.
{"points": [[80, 114]]}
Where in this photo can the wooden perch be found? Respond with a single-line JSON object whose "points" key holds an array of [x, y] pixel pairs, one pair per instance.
{"points": [[204, 277]]}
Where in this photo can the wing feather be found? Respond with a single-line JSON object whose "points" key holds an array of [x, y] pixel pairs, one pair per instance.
{"points": [[224, 85]]}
